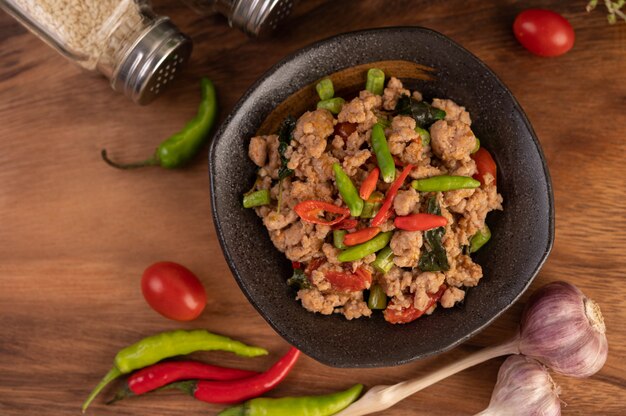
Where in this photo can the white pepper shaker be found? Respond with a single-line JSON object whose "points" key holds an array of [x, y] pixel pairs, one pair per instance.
{"points": [[254, 17], [138, 51]]}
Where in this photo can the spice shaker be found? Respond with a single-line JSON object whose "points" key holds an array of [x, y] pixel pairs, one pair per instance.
{"points": [[254, 17], [138, 51]]}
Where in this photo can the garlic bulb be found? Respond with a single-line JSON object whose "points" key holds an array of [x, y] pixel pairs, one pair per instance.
{"points": [[564, 330], [524, 388]]}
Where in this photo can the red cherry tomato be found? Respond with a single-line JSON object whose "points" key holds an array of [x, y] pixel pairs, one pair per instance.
{"points": [[173, 291], [543, 32]]}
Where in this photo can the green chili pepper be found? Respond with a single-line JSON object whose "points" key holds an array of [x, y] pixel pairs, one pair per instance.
{"points": [[375, 81], [297, 406], [377, 298], [372, 205], [384, 260], [365, 249], [181, 147], [334, 105], [444, 183], [383, 155], [169, 344], [338, 236], [480, 239], [477, 146], [325, 89], [256, 199], [347, 190], [424, 134]]}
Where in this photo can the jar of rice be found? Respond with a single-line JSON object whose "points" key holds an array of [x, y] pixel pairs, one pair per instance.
{"points": [[138, 51]]}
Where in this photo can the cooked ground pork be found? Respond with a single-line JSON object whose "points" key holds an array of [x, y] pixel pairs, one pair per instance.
{"points": [[313, 150]]}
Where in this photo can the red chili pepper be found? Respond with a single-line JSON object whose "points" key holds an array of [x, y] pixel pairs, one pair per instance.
{"points": [[296, 264], [484, 164], [158, 375], [361, 236], [347, 224], [369, 184], [419, 222], [345, 129], [397, 161], [409, 314], [235, 391], [310, 210], [383, 213], [361, 279]]}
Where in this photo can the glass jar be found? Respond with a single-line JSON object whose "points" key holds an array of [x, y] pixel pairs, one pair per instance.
{"points": [[254, 17], [138, 51]]}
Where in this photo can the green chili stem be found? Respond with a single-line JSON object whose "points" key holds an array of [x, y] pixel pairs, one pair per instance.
{"points": [[110, 376], [153, 161]]}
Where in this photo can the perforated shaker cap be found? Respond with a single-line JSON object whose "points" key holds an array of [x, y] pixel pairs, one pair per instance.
{"points": [[152, 62], [259, 17]]}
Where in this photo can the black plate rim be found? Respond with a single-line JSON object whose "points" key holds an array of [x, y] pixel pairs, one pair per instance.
{"points": [[377, 31]]}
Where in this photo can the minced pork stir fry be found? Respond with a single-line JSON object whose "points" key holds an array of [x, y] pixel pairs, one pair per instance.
{"points": [[378, 202]]}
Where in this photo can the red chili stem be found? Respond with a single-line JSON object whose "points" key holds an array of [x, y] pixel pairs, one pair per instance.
{"points": [[382, 215], [420, 222], [361, 236], [369, 184], [235, 391]]}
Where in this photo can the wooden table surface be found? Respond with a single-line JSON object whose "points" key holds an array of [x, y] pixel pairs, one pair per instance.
{"points": [[75, 235]]}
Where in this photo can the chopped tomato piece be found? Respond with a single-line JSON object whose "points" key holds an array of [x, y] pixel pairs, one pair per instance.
{"points": [[406, 315], [349, 282], [484, 164]]}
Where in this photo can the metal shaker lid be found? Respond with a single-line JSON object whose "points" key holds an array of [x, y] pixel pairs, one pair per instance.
{"points": [[258, 17], [152, 62]]}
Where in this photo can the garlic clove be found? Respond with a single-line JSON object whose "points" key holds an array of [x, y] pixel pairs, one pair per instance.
{"points": [[524, 388]]}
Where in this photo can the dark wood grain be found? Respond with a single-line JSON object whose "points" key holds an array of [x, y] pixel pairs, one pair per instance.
{"points": [[76, 235]]}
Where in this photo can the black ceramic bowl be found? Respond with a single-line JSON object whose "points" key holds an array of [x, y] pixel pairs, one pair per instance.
{"points": [[522, 234]]}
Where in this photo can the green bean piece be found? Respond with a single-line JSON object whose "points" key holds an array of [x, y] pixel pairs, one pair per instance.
{"points": [[383, 155], [333, 105], [384, 260], [256, 199], [480, 239], [365, 249], [377, 298], [375, 81], [477, 145], [325, 89], [326, 405], [338, 236], [425, 135], [347, 191], [444, 183]]}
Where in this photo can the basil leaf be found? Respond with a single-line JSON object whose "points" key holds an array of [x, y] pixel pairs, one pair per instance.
{"points": [[423, 113], [435, 259], [285, 134], [299, 280]]}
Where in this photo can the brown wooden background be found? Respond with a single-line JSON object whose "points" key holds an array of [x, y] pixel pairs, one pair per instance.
{"points": [[75, 235]]}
